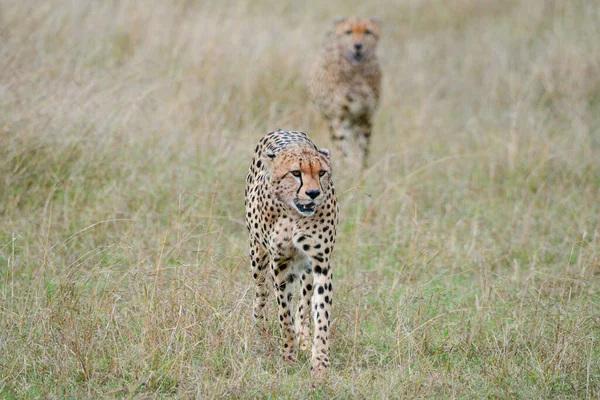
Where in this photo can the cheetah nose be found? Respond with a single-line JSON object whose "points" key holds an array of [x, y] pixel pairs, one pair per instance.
{"points": [[358, 46], [313, 193]]}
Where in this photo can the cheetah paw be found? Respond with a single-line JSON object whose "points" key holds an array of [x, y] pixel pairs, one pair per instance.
{"points": [[303, 342], [319, 375]]}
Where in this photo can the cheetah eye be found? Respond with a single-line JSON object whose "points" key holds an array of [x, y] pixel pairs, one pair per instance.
{"points": [[322, 172], [348, 32], [368, 32], [295, 172]]}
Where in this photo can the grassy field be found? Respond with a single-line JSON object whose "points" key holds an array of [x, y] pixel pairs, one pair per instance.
{"points": [[468, 255]]}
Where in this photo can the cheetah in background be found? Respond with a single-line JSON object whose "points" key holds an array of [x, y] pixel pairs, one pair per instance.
{"points": [[291, 215], [344, 83]]}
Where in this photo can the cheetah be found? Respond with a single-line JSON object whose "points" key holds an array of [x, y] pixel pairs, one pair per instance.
{"points": [[291, 215], [344, 84]]}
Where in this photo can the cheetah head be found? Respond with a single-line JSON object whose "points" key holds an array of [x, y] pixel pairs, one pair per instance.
{"points": [[357, 38], [299, 178]]}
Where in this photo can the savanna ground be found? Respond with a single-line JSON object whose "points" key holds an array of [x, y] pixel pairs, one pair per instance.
{"points": [[468, 255]]}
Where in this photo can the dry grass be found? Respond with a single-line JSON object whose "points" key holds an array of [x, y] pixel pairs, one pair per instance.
{"points": [[468, 260]]}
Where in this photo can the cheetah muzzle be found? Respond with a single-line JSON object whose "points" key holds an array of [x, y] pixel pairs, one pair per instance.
{"points": [[357, 57], [307, 209]]}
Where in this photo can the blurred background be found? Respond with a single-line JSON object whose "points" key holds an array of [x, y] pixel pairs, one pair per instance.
{"points": [[468, 253]]}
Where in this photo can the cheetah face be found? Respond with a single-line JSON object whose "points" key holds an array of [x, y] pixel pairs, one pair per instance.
{"points": [[357, 38], [300, 178]]}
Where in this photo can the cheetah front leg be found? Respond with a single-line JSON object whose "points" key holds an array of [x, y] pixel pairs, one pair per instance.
{"points": [[364, 128], [259, 262], [283, 285], [303, 314], [318, 247], [338, 137], [350, 145], [322, 304]]}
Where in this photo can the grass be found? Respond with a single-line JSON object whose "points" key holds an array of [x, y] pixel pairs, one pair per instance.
{"points": [[468, 255]]}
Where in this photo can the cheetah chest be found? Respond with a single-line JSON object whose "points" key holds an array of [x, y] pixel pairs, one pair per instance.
{"points": [[288, 251]]}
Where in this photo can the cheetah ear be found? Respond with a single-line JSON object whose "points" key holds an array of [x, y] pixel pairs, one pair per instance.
{"points": [[375, 21], [339, 20], [325, 152], [267, 158], [267, 161]]}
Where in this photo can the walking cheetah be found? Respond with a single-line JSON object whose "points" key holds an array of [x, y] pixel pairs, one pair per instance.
{"points": [[344, 83], [291, 214]]}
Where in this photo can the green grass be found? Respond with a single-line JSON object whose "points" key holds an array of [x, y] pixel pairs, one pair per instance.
{"points": [[468, 258]]}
